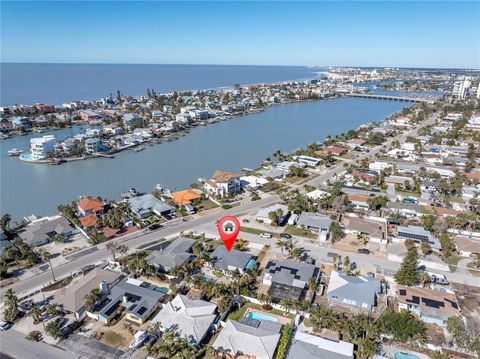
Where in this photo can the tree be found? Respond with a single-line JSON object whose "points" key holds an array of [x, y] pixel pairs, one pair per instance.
{"points": [[402, 325], [462, 337], [336, 231], [10, 310], [296, 253], [408, 272], [448, 245], [92, 298], [35, 313], [5, 222], [409, 244], [426, 248], [281, 244], [377, 202], [46, 258], [116, 248], [53, 329], [428, 221]]}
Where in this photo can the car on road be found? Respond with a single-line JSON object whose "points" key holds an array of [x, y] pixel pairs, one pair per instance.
{"points": [[4, 325], [285, 235], [265, 235], [87, 268], [363, 251], [154, 227]]}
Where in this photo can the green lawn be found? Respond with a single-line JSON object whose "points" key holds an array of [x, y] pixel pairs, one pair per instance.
{"points": [[113, 339], [300, 232], [254, 230], [206, 204], [260, 256]]}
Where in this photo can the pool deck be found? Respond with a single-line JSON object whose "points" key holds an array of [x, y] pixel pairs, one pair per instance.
{"points": [[280, 319]]}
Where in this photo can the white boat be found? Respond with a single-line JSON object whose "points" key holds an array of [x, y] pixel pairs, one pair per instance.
{"points": [[14, 152], [138, 339]]}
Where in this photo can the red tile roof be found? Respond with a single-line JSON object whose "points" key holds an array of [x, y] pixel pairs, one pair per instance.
{"points": [[90, 204]]}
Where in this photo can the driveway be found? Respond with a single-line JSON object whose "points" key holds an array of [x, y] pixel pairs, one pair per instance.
{"points": [[89, 348]]}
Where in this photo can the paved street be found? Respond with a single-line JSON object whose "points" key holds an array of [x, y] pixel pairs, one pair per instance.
{"points": [[20, 348]]}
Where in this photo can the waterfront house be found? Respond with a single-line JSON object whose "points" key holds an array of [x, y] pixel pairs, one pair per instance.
{"points": [[93, 145], [309, 161], [69, 145], [44, 108], [72, 297], [132, 120], [223, 183], [418, 235], [176, 254], [41, 147], [333, 150], [129, 297], [309, 346], [431, 306], [191, 320], [315, 222], [40, 231], [288, 279], [6, 126], [287, 165], [281, 213], [89, 115], [88, 205], [188, 196], [357, 291], [143, 206], [21, 122], [232, 260], [249, 338]]}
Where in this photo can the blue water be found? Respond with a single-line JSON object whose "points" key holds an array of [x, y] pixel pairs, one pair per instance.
{"points": [[229, 145], [261, 316], [250, 264], [59, 83], [402, 355]]}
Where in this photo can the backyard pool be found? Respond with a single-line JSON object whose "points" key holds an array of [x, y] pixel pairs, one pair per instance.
{"points": [[261, 316], [403, 355], [250, 264]]}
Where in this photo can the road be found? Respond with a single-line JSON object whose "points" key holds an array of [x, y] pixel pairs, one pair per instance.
{"points": [[20, 348]]}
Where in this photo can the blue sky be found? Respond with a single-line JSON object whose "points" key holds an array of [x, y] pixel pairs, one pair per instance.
{"points": [[407, 34]]}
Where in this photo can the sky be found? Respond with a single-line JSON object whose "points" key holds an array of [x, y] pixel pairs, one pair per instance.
{"points": [[379, 33]]}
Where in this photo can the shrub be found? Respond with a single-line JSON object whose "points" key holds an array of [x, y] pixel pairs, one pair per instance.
{"points": [[267, 307]]}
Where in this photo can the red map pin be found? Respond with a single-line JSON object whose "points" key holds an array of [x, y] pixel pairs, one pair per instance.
{"points": [[228, 228]]}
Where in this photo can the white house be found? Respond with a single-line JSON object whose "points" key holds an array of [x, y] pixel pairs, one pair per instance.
{"points": [[40, 147]]}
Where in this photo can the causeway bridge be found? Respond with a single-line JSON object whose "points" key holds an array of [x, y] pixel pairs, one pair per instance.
{"points": [[389, 97]]}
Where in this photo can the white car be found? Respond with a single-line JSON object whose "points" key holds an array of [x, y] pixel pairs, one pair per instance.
{"points": [[5, 325], [265, 235]]}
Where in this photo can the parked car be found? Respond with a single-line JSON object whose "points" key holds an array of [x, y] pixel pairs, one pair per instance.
{"points": [[265, 235], [285, 235], [363, 251], [154, 226], [4, 325], [34, 335]]}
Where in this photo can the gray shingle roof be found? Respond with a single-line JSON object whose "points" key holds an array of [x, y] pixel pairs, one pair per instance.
{"points": [[360, 289], [314, 220], [307, 346], [234, 258], [177, 253], [42, 229], [149, 202], [290, 272]]}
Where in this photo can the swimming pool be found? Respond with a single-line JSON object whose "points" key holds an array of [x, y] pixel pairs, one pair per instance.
{"points": [[250, 264], [402, 355], [261, 316]]}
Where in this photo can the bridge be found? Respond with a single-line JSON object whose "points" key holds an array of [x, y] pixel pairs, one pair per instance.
{"points": [[388, 97]]}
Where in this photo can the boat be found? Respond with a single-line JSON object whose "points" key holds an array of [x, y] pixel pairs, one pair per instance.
{"points": [[163, 190], [138, 149], [138, 339], [132, 192], [14, 152]]}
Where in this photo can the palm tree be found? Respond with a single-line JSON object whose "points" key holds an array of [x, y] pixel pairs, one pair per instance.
{"points": [[92, 298], [287, 304], [46, 257], [35, 313], [10, 305], [280, 244]]}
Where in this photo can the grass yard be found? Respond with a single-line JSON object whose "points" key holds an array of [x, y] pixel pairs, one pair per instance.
{"points": [[452, 262], [113, 339], [205, 205], [300, 232]]}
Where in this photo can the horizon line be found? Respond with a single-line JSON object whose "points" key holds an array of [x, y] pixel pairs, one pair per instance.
{"points": [[200, 64]]}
